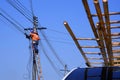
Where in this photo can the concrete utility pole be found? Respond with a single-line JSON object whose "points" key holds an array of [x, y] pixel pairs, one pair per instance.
{"points": [[36, 68]]}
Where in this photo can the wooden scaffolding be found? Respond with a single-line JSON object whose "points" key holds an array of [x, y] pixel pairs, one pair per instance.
{"points": [[105, 39]]}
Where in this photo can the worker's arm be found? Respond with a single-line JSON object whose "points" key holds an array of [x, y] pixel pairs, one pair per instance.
{"points": [[27, 36]]}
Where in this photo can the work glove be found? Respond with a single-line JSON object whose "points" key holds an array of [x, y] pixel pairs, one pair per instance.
{"points": [[27, 36]]}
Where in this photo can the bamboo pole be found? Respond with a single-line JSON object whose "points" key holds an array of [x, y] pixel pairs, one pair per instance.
{"points": [[107, 20], [98, 10], [85, 3], [103, 51], [76, 42]]}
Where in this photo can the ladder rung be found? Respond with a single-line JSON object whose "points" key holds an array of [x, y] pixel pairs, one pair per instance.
{"points": [[116, 51], [115, 43], [116, 64], [116, 56], [90, 46], [113, 27], [115, 34], [96, 58], [116, 37], [97, 62], [87, 39], [116, 61], [114, 22], [111, 13], [92, 53]]}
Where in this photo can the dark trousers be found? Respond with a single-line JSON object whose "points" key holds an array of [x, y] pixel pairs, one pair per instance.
{"points": [[35, 46]]}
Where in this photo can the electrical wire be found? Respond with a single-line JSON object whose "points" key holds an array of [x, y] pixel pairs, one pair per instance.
{"points": [[31, 6], [66, 42], [24, 8], [50, 61], [54, 52], [15, 25], [20, 9], [11, 18], [57, 31]]}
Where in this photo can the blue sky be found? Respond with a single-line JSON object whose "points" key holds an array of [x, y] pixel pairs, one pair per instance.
{"points": [[14, 46]]}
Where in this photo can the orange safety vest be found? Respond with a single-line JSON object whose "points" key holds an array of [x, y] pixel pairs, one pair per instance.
{"points": [[34, 36]]}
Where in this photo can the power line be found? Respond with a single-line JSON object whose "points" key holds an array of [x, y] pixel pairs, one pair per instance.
{"points": [[20, 9], [67, 42], [54, 52], [15, 25], [11, 17], [57, 31], [31, 6], [52, 64], [23, 7]]}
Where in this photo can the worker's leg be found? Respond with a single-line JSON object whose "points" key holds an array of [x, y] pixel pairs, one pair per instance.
{"points": [[36, 47]]}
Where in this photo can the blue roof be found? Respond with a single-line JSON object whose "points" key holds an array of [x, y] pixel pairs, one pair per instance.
{"points": [[96, 73]]}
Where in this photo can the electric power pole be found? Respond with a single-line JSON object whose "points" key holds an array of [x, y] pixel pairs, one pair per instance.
{"points": [[65, 70], [36, 68]]}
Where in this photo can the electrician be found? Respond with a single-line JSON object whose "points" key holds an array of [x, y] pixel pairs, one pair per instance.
{"points": [[35, 40]]}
